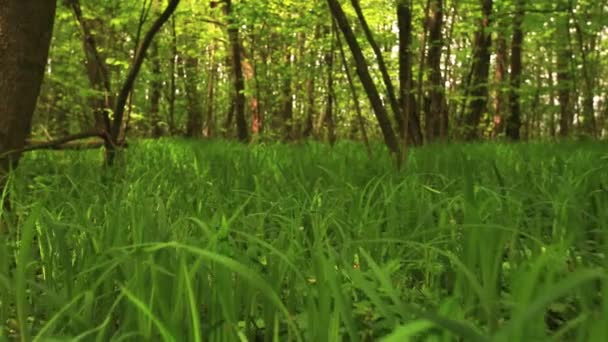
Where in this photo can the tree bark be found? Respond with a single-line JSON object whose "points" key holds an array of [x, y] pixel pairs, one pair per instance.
{"points": [[156, 85], [436, 117], [173, 71], [564, 78], [388, 133], [355, 96], [388, 83], [311, 98], [194, 123], [26, 27], [514, 120], [500, 79], [209, 129], [287, 97], [588, 112], [237, 73], [480, 72], [406, 76], [329, 104], [97, 71]]}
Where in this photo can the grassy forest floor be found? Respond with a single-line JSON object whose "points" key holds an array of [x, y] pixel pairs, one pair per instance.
{"points": [[215, 241]]}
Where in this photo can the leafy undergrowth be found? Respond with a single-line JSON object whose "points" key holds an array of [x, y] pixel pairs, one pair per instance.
{"points": [[222, 242]]}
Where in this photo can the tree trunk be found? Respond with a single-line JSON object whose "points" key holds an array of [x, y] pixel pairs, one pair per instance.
{"points": [[127, 86], [480, 72], [514, 120], [155, 92], [97, 72], [436, 118], [329, 104], [564, 78], [26, 28], [237, 73], [364, 75], [308, 130], [388, 83], [287, 98], [209, 129], [194, 124], [355, 96], [406, 75], [500, 79], [588, 112], [552, 97], [173, 71]]}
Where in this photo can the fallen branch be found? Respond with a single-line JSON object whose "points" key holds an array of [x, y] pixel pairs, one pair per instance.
{"points": [[57, 144], [67, 146]]}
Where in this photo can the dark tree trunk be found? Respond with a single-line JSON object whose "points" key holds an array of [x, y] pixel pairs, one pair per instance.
{"points": [[97, 72], [355, 96], [26, 28], [588, 86], [388, 83], [564, 79], [237, 73], [406, 75], [500, 79], [329, 104], [127, 86], [363, 71], [552, 97], [209, 129], [287, 98], [308, 130], [436, 117], [173, 71], [514, 120], [155, 92], [480, 72], [194, 124]]}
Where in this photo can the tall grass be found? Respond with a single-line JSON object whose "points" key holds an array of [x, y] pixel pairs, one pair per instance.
{"points": [[213, 241]]}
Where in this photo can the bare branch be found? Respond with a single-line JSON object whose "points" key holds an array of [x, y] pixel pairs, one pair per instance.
{"points": [[59, 143]]}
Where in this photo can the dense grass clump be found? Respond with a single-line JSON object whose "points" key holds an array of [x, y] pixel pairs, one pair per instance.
{"points": [[195, 241]]}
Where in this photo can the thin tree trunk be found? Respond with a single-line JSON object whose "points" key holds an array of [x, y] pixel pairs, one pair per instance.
{"points": [[156, 91], [406, 75], [173, 71], [127, 86], [257, 116], [435, 117], [564, 79], [194, 124], [308, 130], [237, 73], [363, 71], [287, 98], [552, 100], [500, 79], [388, 83], [481, 70], [355, 96], [329, 104], [514, 120], [588, 112], [97, 72], [209, 129], [422, 102]]}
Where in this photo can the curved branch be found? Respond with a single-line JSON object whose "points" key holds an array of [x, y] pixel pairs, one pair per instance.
{"points": [[135, 67]]}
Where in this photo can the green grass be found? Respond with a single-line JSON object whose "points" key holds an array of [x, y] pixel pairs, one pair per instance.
{"points": [[195, 241]]}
